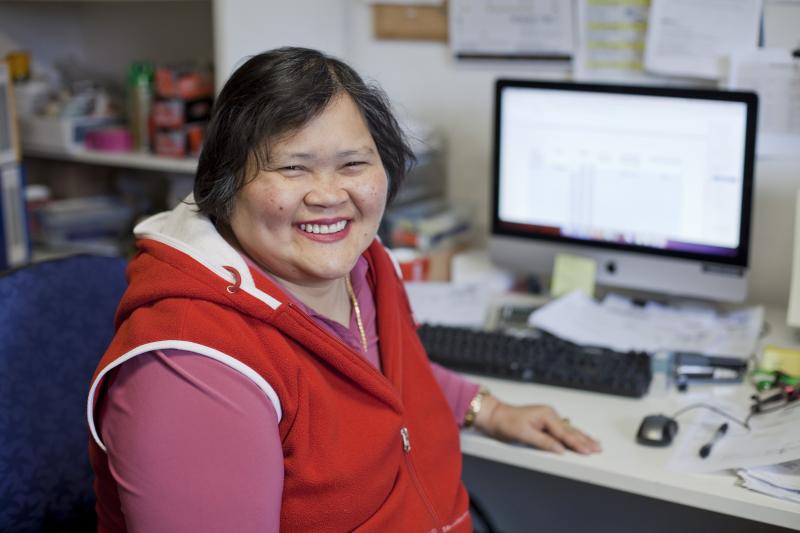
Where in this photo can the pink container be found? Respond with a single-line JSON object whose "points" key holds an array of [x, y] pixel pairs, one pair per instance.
{"points": [[112, 139]]}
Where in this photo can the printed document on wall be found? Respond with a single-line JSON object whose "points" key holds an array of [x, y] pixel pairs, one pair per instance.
{"points": [[775, 76], [511, 28], [694, 37], [610, 41]]}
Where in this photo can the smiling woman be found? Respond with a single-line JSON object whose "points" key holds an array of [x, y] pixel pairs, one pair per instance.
{"points": [[266, 373], [309, 215]]}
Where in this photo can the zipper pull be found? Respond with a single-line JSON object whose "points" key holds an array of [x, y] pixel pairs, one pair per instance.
{"points": [[406, 439]]}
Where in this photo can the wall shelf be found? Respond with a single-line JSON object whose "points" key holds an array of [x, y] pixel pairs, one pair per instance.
{"points": [[115, 159]]}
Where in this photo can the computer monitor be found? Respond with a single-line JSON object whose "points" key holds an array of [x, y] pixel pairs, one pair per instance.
{"points": [[655, 184]]}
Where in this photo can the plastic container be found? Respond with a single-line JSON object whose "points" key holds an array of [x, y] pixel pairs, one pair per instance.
{"points": [[36, 198], [661, 365], [140, 101], [19, 65], [114, 139]]}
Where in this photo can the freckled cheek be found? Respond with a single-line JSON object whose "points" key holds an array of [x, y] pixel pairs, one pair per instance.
{"points": [[276, 204], [376, 193], [373, 199]]}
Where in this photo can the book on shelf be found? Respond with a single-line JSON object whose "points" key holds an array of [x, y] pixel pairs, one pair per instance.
{"points": [[9, 133], [427, 226], [15, 249]]}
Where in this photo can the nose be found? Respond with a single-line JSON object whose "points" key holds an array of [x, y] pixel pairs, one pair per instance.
{"points": [[327, 190]]}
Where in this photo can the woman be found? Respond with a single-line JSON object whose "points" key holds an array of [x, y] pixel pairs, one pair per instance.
{"points": [[266, 372]]}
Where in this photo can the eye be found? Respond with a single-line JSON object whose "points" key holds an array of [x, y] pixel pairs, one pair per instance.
{"points": [[355, 166], [291, 170]]}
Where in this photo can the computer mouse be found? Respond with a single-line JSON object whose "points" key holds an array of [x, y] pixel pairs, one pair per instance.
{"points": [[657, 430]]}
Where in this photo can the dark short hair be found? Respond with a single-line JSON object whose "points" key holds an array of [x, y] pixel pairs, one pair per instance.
{"points": [[274, 94]]}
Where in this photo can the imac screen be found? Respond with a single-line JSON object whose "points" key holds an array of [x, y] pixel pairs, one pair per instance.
{"points": [[649, 170]]}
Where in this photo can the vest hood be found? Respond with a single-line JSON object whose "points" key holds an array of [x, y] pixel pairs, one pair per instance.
{"points": [[170, 274]]}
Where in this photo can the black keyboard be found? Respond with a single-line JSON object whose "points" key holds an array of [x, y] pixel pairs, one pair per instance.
{"points": [[538, 358]]}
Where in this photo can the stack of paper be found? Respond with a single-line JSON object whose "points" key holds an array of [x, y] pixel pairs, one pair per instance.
{"points": [[781, 480], [620, 324], [449, 304], [766, 456]]}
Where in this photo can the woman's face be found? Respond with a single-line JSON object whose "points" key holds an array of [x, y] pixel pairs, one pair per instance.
{"points": [[309, 216]]}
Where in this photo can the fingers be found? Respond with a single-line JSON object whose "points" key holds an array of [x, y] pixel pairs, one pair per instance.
{"points": [[539, 426], [544, 441], [572, 436], [534, 436], [525, 425], [578, 441]]}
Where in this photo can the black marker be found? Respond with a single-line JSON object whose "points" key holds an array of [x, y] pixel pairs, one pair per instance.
{"points": [[705, 451]]}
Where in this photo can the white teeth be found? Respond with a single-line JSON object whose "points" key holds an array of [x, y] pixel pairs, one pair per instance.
{"points": [[324, 228]]}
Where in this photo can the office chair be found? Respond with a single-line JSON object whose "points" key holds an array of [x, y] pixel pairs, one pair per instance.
{"points": [[56, 320]]}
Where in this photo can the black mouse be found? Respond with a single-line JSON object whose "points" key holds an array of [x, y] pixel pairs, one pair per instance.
{"points": [[657, 430]]}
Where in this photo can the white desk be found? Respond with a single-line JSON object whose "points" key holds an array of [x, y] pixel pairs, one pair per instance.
{"points": [[625, 465]]}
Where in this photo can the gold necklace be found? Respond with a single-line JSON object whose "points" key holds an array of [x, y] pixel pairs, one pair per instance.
{"points": [[357, 310]]}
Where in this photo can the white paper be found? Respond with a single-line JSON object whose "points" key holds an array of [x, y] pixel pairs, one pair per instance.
{"points": [[692, 37], [451, 304], [775, 76], [772, 439], [781, 20], [406, 2], [783, 475], [793, 314], [511, 27], [765, 488], [619, 324], [780, 480], [610, 42]]}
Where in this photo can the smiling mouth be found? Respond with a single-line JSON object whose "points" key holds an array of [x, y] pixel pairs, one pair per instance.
{"points": [[324, 229]]}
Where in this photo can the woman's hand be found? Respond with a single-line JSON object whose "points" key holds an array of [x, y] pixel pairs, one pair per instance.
{"points": [[536, 425]]}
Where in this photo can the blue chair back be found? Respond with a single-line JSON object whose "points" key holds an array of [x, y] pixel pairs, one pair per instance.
{"points": [[56, 320]]}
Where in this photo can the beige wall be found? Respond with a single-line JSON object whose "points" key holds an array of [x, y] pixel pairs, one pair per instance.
{"points": [[425, 82]]}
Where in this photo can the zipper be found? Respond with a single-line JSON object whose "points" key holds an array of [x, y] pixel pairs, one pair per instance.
{"points": [[406, 439], [404, 435], [417, 483]]}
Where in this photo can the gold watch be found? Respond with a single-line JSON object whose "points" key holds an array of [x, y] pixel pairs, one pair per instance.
{"points": [[475, 407]]}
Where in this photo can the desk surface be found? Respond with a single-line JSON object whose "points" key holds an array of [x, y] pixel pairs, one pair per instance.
{"points": [[624, 464]]}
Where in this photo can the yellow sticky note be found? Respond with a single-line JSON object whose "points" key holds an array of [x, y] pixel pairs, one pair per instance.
{"points": [[572, 272], [784, 359]]}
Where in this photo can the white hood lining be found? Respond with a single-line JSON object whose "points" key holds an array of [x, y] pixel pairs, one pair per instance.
{"points": [[193, 234]]}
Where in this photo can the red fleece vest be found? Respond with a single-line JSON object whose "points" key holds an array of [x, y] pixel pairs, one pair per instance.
{"points": [[363, 451]]}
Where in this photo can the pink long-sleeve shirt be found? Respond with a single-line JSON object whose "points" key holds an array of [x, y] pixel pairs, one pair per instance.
{"points": [[229, 474]]}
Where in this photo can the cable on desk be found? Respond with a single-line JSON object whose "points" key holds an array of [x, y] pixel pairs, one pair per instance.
{"points": [[744, 423], [756, 409]]}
